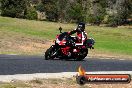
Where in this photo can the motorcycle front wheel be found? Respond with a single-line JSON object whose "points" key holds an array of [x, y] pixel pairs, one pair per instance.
{"points": [[49, 53]]}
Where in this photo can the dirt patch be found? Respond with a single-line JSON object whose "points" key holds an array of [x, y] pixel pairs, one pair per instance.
{"points": [[107, 55], [67, 83], [71, 83], [23, 45], [33, 47]]}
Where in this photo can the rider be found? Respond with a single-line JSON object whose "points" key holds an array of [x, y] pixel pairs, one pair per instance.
{"points": [[81, 34]]}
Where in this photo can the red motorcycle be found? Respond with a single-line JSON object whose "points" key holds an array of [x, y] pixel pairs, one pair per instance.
{"points": [[65, 47]]}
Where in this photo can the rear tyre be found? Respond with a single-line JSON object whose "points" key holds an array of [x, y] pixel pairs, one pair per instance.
{"points": [[49, 53], [81, 56]]}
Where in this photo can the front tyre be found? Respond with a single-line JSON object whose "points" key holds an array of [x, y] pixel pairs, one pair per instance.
{"points": [[49, 53]]}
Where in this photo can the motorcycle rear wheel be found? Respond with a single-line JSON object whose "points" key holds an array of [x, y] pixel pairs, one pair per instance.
{"points": [[81, 57]]}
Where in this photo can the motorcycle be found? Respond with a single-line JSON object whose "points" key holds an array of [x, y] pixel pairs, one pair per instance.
{"points": [[65, 47]]}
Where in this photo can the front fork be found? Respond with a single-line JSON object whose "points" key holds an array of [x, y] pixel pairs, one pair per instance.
{"points": [[54, 51]]}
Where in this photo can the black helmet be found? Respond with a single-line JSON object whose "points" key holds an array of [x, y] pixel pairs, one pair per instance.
{"points": [[81, 26]]}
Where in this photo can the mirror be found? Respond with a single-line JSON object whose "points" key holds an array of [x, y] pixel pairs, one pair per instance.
{"points": [[60, 29]]}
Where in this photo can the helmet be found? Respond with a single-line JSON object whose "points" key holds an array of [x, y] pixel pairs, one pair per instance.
{"points": [[81, 27]]}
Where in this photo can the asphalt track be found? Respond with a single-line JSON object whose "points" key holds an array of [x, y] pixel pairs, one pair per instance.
{"points": [[16, 64]]}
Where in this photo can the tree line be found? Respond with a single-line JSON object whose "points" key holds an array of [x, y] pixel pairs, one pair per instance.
{"points": [[95, 12]]}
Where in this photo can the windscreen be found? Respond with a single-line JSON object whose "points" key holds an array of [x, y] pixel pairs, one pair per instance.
{"points": [[63, 36]]}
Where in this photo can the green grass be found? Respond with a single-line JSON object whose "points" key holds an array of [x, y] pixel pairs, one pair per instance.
{"points": [[31, 28], [116, 40], [113, 40]]}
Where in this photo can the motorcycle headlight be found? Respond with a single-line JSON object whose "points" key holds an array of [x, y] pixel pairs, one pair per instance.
{"points": [[57, 41]]}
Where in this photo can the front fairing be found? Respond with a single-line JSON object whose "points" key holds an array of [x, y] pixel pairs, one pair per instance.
{"points": [[62, 36], [61, 39]]}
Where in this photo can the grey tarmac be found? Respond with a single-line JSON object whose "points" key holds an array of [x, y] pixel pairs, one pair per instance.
{"points": [[18, 64]]}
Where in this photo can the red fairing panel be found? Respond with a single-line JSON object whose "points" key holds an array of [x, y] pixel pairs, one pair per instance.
{"points": [[62, 42], [65, 50]]}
